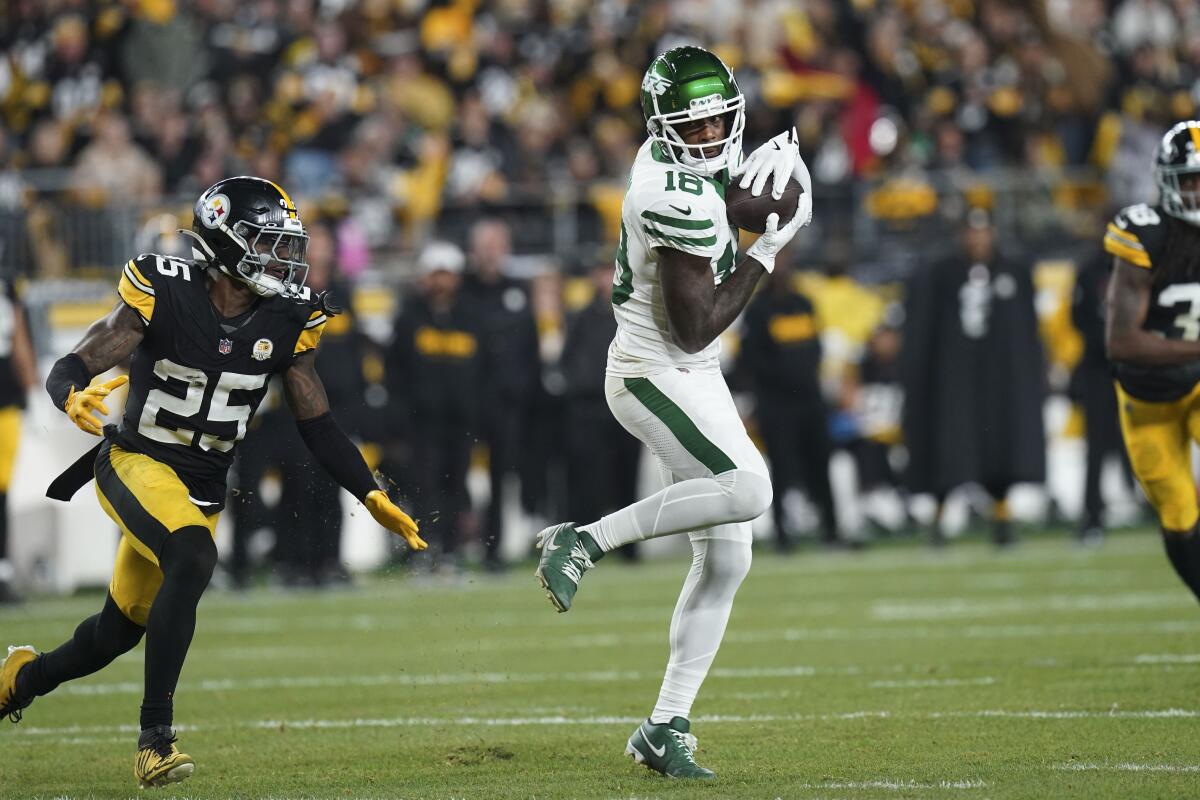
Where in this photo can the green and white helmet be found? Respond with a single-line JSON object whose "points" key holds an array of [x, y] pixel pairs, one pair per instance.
{"points": [[690, 83]]}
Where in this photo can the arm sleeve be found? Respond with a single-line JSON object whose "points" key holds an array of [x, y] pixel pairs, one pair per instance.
{"points": [[136, 288], [334, 451]]}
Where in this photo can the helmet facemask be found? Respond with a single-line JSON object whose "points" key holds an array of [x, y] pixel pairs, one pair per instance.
{"points": [[691, 156], [273, 260], [1179, 191]]}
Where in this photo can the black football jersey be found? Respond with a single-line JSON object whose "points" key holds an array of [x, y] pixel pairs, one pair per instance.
{"points": [[196, 379], [1138, 234], [11, 393]]}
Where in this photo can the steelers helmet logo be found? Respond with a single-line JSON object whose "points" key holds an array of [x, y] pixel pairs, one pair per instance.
{"points": [[215, 211]]}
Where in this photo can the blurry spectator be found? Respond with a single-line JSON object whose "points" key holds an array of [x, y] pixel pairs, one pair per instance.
{"points": [[602, 457], [113, 168], [973, 376], [873, 396], [18, 375], [1092, 388], [509, 339], [781, 355], [435, 368]]}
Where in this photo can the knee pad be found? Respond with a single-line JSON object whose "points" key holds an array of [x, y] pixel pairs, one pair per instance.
{"points": [[750, 494]]}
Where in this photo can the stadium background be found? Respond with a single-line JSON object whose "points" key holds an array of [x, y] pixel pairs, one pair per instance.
{"points": [[393, 123]]}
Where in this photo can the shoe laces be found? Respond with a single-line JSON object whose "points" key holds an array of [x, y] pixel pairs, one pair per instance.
{"points": [[162, 743], [687, 743], [578, 562]]}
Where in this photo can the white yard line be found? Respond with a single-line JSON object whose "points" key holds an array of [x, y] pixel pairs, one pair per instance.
{"points": [[1080, 766], [970, 783], [427, 679], [1168, 658], [24, 731], [932, 683], [960, 607]]}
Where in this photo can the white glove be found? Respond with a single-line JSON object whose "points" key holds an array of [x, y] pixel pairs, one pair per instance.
{"points": [[775, 238], [778, 159]]}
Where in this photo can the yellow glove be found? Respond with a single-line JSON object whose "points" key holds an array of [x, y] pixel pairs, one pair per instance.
{"points": [[389, 515], [81, 404]]}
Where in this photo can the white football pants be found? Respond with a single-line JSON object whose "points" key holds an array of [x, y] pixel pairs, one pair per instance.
{"points": [[716, 482]]}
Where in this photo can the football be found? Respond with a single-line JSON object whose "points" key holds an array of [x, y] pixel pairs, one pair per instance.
{"points": [[750, 213]]}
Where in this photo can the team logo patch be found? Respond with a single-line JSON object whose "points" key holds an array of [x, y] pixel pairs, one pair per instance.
{"points": [[225, 347], [216, 209], [262, 350]]}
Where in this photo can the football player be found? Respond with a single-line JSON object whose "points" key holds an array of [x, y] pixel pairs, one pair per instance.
{"points": [[1153, 339], [205, 336], [678, 285]]}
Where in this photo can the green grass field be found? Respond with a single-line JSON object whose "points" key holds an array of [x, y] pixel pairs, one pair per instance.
{"points": [[1042, 673]]}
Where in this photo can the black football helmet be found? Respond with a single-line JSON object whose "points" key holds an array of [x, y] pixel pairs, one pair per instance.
{"points": [[248, 228], [1179, 157]]}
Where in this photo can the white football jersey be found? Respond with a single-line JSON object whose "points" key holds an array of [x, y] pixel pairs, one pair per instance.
{"points": [[664, 206]]}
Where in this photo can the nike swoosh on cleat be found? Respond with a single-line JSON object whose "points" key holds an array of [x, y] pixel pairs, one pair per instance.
{"points": [[550, 545], [658, 751], [777, 147], [686, 212]]}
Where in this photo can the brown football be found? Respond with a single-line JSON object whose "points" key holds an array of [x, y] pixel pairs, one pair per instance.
{"points": [[750, 213]]}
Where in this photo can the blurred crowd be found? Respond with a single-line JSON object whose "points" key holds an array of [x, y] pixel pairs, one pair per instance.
{"points": [[475, 155], [403, 119]]}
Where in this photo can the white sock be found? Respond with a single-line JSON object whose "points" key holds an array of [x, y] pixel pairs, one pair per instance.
{"points": [[691, 505], [698, 625]]}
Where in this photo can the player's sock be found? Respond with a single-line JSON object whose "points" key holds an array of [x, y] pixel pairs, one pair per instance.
{"points": [[1184, 551], [97, 641], [731, 497], [718, 567], [188, 558]]}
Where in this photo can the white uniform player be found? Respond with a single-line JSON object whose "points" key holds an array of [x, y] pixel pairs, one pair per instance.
{"points": [[677, 286]]}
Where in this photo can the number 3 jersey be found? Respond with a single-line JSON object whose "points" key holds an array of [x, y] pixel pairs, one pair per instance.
{"points": [[197, 378], [664, 206], [1141, 235]]}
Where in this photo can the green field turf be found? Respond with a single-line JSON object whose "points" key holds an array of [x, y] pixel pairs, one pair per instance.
{"points": [[1045, 672]]}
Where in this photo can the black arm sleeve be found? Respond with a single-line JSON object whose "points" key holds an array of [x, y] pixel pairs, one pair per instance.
{"points": [[68, 373], [334, 451]]}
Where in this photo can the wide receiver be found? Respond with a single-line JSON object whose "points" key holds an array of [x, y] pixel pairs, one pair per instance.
{"points": [[205, 337], [1153, 340], [678, 285]]}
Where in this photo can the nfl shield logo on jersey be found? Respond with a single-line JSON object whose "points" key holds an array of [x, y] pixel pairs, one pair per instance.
{"points": [[225, 346], [262, 350]]}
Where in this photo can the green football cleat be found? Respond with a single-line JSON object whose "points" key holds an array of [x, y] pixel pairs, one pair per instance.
{"points": [[667, 749], [563, 562]]}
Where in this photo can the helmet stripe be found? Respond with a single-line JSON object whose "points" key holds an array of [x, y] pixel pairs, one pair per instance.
{"points": [[291, 209]]}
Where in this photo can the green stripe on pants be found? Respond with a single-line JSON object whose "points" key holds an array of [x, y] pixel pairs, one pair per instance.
{"points": [[680, 425]]}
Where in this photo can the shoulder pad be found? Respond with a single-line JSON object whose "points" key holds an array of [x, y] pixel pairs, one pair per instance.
{"points": [[1136, 234]]}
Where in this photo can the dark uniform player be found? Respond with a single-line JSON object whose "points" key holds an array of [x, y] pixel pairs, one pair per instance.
{"points": [[17, 376], [781, 353], [1153, 339], [205, 336]]}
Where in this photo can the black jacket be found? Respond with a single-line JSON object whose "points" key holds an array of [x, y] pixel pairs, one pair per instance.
{"points": [[781, 351], [973, 377], [436, 363]]}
